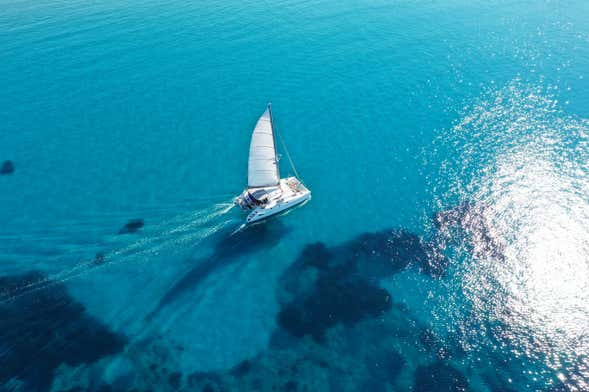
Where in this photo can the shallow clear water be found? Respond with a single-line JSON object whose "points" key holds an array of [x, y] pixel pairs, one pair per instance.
{"points": [[446, 146]]}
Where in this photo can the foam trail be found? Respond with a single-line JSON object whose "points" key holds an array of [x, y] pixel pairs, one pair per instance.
{"points": [[197, 219], [88, 266], [240, 228], [76, 238], [201, 224], [189, 237]]}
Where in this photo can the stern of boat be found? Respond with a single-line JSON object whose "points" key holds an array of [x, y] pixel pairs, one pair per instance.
{"points": [[244, 201]]}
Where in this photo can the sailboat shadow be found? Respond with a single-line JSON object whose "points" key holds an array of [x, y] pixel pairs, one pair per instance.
{"points": [[230, 245]]}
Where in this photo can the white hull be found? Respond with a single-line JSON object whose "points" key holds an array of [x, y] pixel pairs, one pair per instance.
{"points": [[289, 193], [266, 212]]}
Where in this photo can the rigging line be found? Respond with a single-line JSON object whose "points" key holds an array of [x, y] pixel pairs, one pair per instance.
{"points": [[287, 153]]}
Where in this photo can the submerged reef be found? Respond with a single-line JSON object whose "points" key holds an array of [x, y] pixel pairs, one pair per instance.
{"points": [[7, 167], [439, 377], [132, 226], [337, 328], [334, 299], [389, 251], [471, 224], [42, 327], [329, 286], [99, 258]]}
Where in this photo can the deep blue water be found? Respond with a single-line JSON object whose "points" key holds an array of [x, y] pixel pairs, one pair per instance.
{"points": [[446, 247]]}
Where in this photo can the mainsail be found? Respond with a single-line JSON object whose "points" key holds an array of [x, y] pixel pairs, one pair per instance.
{"points": [[263, 163]]}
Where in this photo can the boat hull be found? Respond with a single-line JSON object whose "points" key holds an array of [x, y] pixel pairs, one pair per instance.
{"points": [[259, 214], [262, 203]]}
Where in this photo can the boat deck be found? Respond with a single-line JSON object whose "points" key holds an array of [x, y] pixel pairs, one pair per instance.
{"points": [[291, 186]]}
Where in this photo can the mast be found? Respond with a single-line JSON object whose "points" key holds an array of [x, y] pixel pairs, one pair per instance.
{"points": [[294, 169], [274, 140]]}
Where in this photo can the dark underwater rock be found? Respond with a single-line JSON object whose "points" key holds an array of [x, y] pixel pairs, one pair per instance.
{"points": [[470, 222], [175, 380], [428, 339], [336, 298], [435, 345], [435, 265], [210, 381], [439, 377], [242, 368], [496, 384], [385, 366], [385, 252], [451, 217], [316, 255], [367, 257], [372, 385], [100, 258], [7, 167], [105, 388], [132, 226], [44, 328], [291, 386], [390, 251], [341, 289]]}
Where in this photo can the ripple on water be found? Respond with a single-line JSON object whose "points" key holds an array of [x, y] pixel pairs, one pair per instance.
{"points": [[521, 170]]}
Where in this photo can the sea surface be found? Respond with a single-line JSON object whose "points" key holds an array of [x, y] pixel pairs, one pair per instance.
{"points": [[446, 247]]}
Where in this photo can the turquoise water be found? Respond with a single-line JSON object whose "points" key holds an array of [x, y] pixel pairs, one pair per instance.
{"points": [[446, 246]]}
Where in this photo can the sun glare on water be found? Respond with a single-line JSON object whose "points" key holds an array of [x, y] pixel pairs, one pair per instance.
{"points": [[527, 227]]}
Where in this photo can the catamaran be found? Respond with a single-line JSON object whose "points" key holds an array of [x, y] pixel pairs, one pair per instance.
{"points": [[267, 194]]}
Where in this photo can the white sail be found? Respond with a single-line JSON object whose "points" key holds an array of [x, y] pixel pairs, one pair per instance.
{"points": [[262, 164], [267, 194]]}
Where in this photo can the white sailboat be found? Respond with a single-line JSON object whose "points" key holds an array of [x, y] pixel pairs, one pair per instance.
{"points": [[267, 194]]}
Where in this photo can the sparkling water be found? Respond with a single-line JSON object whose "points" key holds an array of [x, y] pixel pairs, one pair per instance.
{"points": [[446, 246]]}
